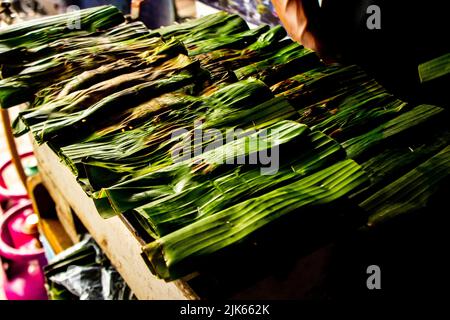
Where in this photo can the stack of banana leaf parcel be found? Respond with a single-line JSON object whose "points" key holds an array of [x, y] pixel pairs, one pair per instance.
{"points": [[209, 133]]}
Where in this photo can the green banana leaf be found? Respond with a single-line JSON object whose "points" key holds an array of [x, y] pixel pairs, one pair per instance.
{"points": [[411, 192], [232, 225]]}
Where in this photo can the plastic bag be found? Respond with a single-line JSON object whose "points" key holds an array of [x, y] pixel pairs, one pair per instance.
{"points": [[83, 272]]}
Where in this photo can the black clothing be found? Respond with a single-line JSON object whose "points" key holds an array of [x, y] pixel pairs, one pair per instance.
{"points": [[410, 34]]}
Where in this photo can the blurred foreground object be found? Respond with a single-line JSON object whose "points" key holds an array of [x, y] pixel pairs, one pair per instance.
{"points": [[9, 195], [22, 255], [154, 13]]}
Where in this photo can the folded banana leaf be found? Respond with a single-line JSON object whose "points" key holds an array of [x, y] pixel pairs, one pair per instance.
{"points": [[434, 77], [268, 40], [167, 255], [344, 97], [263, 47], [313, 152], [70, 42], [321, 92], [153, 56], [175, 211], [107, 80], [259, 116], [234, 101], [239, 96], [394, 162], [12, 56], [245, 147], [124, 196], [128, 145], [85, 122], [36, 32], [355, 114], [234, 41], [207, 27], [288, 61], [435, 69], [412, 192], [291, 85], [402, 125], [222, 62], [142, 135], [54, 69]]}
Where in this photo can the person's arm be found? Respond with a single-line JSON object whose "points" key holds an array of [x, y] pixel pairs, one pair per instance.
{"points": [[301, 18]]}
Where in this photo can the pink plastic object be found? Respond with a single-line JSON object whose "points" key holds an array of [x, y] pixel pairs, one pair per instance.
{"points": [[5, 194], [22, 260]]}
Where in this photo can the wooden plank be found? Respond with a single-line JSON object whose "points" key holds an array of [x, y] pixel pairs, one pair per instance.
{"points": [[55, 234], [112, 235], [49, 223]]}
